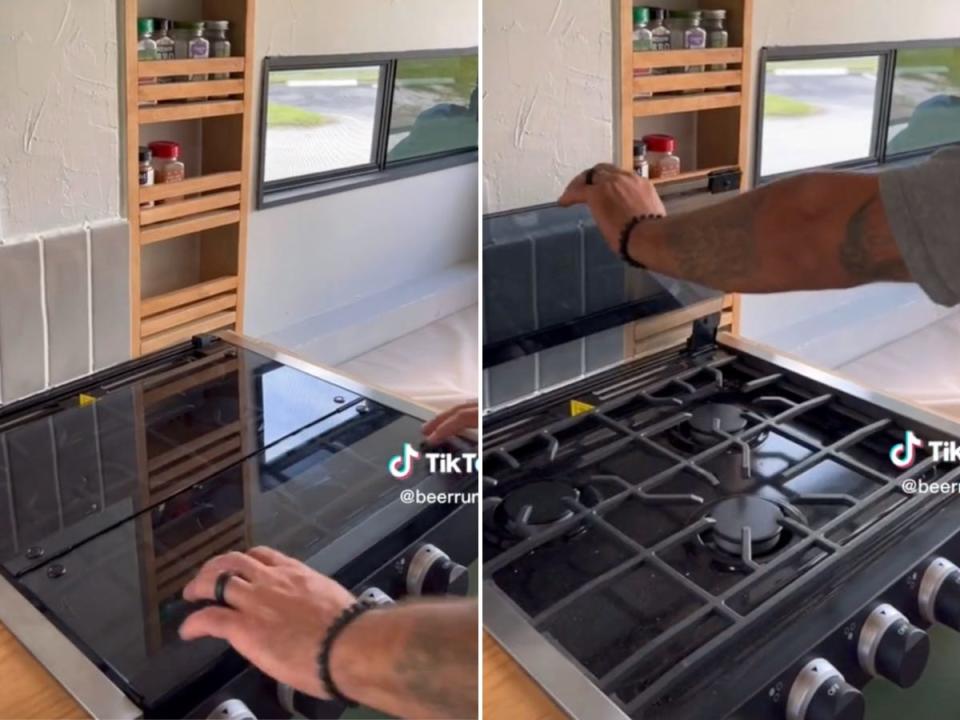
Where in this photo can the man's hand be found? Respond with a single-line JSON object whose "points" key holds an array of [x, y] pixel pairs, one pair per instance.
{"points": [[279, 613], [614, 198], [452, 422]]}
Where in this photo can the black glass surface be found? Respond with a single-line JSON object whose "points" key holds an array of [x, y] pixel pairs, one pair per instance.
{"points": [[550, 278], [99, 458], [325, 499]]}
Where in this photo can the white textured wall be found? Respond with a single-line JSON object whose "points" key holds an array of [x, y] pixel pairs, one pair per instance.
{"points": [[310, 257], [59, 115], [832, 327], [548, 96]]}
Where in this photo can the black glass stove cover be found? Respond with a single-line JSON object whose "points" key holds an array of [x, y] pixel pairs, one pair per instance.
{"points": [[549, 278], [639, 536], [111, 500]]}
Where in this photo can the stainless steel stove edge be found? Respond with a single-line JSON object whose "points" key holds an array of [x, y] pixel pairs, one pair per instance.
{"points": [[370, 392], [563, 681], [843, 384], [71, 668]]}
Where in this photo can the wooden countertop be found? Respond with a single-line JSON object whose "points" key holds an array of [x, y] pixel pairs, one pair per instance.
{"points": [[27, 690], [508, 692]]}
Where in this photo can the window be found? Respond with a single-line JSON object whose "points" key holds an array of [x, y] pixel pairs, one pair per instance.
{"points": [[321, 121], [336, 123], [818, 112], [925, 108], [855, 106]]}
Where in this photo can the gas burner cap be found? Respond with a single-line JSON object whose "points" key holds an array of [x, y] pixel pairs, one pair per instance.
{"points": [[707, 419], [733, 514], [538, 504]]}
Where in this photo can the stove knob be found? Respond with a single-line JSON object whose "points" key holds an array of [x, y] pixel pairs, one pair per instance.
{"points": [[232, 709], [939, 596], [820, 692], [430, 571], [889, 646], [376, 596]]}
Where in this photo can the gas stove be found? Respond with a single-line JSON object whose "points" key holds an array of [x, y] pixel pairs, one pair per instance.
{"points": [[116, 489], [714, 531]]}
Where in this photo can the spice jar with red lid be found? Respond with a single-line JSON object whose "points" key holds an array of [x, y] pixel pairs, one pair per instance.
{"points": [[661, 151], [166, 161]]}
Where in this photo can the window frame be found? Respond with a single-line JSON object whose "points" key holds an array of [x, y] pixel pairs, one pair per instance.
{"points": [[887, 53], [304, 187]]}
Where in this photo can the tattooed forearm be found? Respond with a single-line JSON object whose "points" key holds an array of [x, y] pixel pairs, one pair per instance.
{"points": [[716, 251], [412, 660], [869, 252], [440, 667], [813, 231]]}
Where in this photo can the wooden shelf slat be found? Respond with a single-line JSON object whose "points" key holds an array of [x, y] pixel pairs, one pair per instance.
{"points": [[686, 103], [192, 206], [191, 186], [170, 68], [683, 58], [189, 90], [220, 321], [688, 81], [185, 296], [189, 111], [188, 226], [690, 175], [184, 450], [188, 313]]}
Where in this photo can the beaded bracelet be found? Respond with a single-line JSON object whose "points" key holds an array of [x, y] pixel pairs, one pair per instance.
{"points": [[625, 238], [323, 658]]}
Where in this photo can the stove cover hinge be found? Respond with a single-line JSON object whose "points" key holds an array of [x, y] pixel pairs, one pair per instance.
{"points": [[704, 334]]}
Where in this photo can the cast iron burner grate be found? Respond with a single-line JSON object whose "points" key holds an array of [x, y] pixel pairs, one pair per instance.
{"points": [[723, 486]]}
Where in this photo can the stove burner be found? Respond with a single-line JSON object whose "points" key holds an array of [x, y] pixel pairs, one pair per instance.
{"points": [[733, 514], [538, 504], [707, 420]]}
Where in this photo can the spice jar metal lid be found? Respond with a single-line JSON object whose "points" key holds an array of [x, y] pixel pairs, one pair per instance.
{"points": [[714, 14], [145, 155], [658, 13], [188, 25], [162, 24], [660, 143], [686, 14], [165, 149], [217, 24]]}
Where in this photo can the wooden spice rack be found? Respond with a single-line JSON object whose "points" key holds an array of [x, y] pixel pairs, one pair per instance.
{"points": [[713, 107], [719, 100], [206, 213]]}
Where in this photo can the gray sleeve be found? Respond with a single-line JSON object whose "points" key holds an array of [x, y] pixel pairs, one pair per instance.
{"points": [[922, 203]]}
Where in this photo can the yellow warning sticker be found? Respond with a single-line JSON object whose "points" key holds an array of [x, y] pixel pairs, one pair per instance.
{"points": [[578, 407], [85, 400]]}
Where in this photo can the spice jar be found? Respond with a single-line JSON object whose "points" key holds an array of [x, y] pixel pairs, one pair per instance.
{"points": [[687, 34], [640, 165], [147, 173], [146, 50], [642, 42], [216, 34], [190, 44], [717, 35], [660, 154], [166, 162]]}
